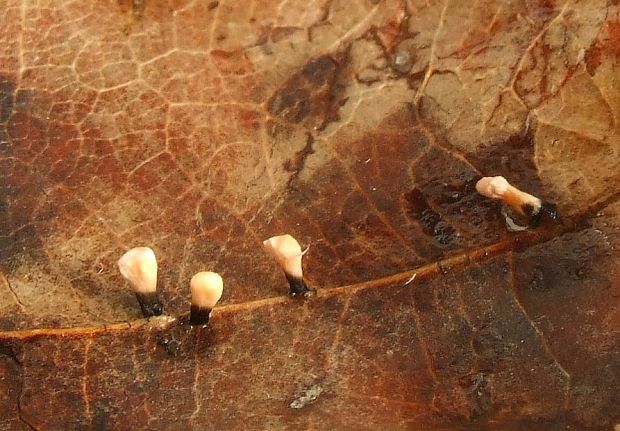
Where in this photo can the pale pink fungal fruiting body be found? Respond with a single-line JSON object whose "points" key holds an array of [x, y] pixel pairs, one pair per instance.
{"points": [[139, 267], [206, 289], [523, 204], [287, 252], [500, 188]]}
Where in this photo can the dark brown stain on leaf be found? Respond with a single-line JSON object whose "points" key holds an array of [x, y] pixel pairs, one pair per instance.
{"points": [[11, 371], [21, 139], [513, 159], [313, 96], [449, 191], [432, 224], [7, 94], [567, 271]]}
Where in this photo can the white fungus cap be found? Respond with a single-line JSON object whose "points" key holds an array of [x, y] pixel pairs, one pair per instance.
{"points": [[493, 187], [499, 188], [139, 267], [287, 252], [206, 288]]}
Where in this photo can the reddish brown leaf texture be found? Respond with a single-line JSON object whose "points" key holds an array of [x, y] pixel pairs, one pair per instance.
{"points": [[360, 127]]}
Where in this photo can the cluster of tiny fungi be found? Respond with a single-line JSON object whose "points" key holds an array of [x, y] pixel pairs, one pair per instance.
{"points": [[139, 265]]}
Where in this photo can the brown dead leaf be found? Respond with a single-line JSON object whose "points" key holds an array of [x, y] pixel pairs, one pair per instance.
{"points": [[201, 128]]}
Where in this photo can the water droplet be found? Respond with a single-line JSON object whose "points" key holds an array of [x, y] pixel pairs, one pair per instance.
{"points": [[403, 57]]}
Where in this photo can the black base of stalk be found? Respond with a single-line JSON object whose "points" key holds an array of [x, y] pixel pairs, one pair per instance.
{"points": [[298, 286], [150, 305], [199, 315], [547, 210]]}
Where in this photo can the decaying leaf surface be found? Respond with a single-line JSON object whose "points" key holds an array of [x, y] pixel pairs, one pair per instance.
{"points": [[201, 128]]}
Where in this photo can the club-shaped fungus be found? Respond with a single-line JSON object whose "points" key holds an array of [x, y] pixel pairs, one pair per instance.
{"points": [[139, 267], [206, 289], [287, 252], [524, 205]]}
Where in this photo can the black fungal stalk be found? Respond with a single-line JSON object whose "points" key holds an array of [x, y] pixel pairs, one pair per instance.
{"points": [[298, 286], [150, 304]]}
